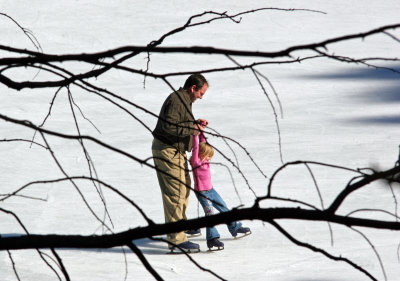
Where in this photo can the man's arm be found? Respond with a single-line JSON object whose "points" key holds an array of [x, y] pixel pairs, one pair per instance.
{"points": [[175, 123]]}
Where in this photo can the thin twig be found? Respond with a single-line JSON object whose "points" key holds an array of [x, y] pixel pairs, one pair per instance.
{"points": [[13, 265], [318, 250], [320, 197], [61, 264], [23, 140], [144, 261], [188, 256], [89, 161], [27, 32], [374, 249], [71, 180], [232, 179]]}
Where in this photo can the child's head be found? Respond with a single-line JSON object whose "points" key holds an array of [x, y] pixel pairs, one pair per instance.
{"points": [[206, 151]]}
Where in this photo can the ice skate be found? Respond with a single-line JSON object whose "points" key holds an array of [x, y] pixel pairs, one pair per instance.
{"points": [[187, 247], [241, 232], [215, 245]]}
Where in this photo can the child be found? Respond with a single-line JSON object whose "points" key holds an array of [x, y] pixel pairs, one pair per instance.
{"points": [[201, 155]]}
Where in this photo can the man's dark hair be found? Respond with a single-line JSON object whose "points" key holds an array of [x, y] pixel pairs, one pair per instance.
{"points": [[197, 80]]}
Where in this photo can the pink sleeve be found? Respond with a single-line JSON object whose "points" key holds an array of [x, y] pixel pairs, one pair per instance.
{"points": [[195, 160], [202, 137]]}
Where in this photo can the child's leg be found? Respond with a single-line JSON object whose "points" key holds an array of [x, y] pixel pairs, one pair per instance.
{"points": [[211, 232], [220, 205]]}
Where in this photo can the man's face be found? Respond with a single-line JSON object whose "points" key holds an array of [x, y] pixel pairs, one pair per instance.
{"points": [[197, 94]]}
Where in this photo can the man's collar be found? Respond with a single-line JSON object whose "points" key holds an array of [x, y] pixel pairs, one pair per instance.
{"points": [[185, 95]]}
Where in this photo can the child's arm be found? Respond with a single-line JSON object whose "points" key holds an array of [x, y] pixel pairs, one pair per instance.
{"points": [[195, 160], [202, 137]]}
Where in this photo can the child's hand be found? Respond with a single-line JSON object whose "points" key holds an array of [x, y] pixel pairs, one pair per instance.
{"points": [[199, 126], [202, 122]]}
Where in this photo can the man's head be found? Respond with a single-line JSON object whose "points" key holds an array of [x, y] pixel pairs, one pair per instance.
{"points": [[196, 86]]}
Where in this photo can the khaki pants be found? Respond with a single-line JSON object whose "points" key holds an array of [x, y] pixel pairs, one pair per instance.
{"points": [[175, 194]]}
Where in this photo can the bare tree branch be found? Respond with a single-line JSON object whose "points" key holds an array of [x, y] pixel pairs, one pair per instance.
{"points": [[13, 265], [144, 261], [374, 249], [315, 249], [39, 58], [99, 63], [33, 241], [26, 31], [63, 269], [189, 257]]}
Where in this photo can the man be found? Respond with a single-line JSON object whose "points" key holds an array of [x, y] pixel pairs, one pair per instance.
{"points": [[172, 138]]}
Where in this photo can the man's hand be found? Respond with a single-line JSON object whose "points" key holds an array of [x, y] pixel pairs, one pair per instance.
{"points": [[197, 129], [200, 125]]}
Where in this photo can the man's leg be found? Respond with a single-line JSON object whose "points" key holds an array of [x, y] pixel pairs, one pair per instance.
{"points": [[188, 183], [173, 190]]}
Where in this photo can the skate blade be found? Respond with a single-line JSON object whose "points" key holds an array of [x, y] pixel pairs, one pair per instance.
{"points": [[177, 251], [241, 236], [215, 249], [193, 235]]}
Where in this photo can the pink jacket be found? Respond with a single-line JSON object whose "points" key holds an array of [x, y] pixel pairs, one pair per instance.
{"points": [[201, 169]]}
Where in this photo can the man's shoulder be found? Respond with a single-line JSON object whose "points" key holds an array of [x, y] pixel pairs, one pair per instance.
{"points": [[179, 92], [179, 95]]}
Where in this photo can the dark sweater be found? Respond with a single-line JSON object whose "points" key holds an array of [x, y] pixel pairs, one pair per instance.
{"points": [[175, 123]]}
